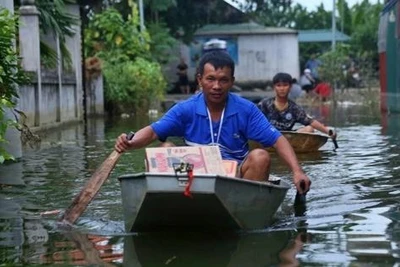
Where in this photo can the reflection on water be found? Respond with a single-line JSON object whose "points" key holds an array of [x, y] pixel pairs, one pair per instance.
{"points": [[201, 249], [83, 249], [352, 214], [159, 249]]}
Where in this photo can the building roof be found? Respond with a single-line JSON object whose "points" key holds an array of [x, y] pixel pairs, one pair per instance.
{"points": [[324, 35], [242, 29]]}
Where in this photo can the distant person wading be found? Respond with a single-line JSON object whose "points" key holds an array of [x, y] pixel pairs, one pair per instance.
{"points": [[183, 80]]}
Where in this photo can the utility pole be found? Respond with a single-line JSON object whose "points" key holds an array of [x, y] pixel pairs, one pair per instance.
{"points": [[342, 17], [334, 25], [141, 13]]}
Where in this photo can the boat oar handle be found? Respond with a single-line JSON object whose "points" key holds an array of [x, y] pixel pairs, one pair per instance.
{"points": [[130, 135], [303, 186], [333, 140]]}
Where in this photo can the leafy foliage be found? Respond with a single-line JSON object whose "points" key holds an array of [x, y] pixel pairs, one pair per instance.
{"points": [[332, 62], [188, 16], [10, 75], [108, 31], [360, 22], [161, 42], [53, 18], [184, 17], [132, 79], [134, 85], [364, 35], [272, 13]]}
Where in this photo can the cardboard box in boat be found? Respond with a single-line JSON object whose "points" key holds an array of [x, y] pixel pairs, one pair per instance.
{"points": [[205, 159]]}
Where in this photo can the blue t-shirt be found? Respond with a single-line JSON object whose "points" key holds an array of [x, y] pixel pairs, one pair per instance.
{"points": [[241, 121], [313, 65]]}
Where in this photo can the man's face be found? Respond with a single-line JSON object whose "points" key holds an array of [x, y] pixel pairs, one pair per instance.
{"points": [[216, 83], [282, 89]]}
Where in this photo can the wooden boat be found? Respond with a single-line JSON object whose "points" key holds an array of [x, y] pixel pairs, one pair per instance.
{"points": [[301, 142], [155, 201]]}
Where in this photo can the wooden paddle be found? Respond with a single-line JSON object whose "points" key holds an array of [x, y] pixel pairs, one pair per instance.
{"points": [[82, 200], [334, 140], [300, 201]]}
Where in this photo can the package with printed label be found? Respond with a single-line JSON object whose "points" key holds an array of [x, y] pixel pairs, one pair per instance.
{"points": [[230, 167], [205, 159]]}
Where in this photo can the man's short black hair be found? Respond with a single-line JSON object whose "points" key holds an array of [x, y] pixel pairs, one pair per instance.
{"points": [[282, 77], [218, 59]]}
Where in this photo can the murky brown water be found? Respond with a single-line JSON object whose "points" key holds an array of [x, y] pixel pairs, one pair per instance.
{"points": [[352, 215]]}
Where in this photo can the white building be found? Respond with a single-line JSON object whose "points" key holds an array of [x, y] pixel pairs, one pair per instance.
{"points": [[259, 52]]}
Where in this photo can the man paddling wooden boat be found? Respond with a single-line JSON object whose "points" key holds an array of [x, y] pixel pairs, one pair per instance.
{"points": [[217, 117], [283, 113]]}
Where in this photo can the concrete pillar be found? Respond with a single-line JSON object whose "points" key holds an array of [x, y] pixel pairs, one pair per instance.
{"points": [[29, 36], [95, 96], [73, 44], [29, 41]]}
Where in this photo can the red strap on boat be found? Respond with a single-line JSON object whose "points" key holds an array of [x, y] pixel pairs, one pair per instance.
{"points": [[189, 184]]}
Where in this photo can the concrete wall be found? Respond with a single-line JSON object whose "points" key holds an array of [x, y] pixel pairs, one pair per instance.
{"points": [[28, 103], [53, 97], [56, 96], [55, 106], [262, 56]]}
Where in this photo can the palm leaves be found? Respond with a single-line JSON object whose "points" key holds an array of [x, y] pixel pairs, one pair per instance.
{"points": [[54, 19]]}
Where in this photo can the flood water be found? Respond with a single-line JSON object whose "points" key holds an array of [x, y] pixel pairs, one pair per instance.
{"points": [[352, 216]]}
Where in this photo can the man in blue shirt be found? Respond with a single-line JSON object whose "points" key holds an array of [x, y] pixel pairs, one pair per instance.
{"points": [[313, 64], [217, 117]]}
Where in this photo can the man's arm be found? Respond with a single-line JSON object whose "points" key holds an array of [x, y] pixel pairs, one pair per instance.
{"points": [[142, 138], [322, 128], [285, 151]]}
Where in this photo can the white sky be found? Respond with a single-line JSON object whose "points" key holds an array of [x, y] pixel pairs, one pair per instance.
{"points": [[312, 4]]}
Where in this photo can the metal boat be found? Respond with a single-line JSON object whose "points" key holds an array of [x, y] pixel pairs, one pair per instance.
{"points": [[156, 201]]}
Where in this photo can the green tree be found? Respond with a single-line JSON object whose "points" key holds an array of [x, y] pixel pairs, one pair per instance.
{"points": [[364, 28], [132, 78], [331, 69], [108, 32], [186, 17], [161, 42], [271, 13], [53, 18], [345, 17], [11, 75]]}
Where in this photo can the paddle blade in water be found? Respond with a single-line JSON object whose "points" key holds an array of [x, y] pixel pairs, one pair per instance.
{"points": [[333, 140], [300, 201], [90, 190]]}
